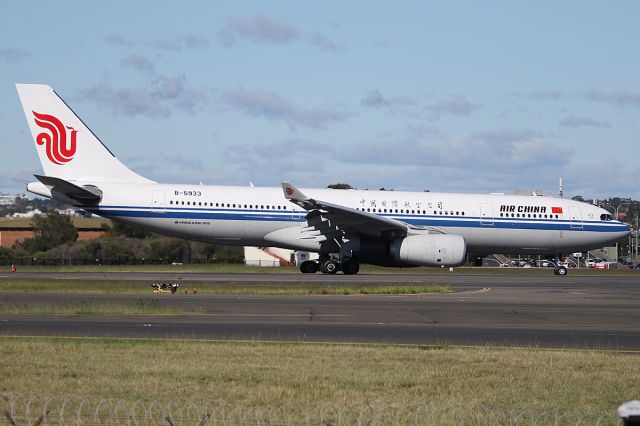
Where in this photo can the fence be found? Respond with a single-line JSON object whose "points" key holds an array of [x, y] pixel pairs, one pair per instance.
{"points": [[30, 410]]}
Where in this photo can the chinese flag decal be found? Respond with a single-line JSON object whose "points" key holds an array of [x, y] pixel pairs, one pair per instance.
{"points": [[556, 210]]}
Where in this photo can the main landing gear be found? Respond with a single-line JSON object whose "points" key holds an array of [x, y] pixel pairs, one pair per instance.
{"points": [[560, 269], [330, 265]]}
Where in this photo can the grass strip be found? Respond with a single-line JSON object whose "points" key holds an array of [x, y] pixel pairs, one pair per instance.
{"points": [[303, 374], [137, 287]]}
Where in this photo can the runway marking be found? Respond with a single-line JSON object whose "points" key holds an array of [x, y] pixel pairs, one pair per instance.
{"points": [[482, 290], [321, 343]]}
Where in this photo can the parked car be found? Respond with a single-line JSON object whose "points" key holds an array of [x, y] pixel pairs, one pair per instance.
{"points": [[603, 265], [547, 264], [591, 262]]}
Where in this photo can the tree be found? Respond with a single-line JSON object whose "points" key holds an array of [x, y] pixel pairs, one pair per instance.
{"points": [[340, 186], [122, 229], [50, 231]]}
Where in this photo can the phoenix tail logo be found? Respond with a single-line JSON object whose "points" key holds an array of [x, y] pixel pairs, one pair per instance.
{"points": [[60, 149]]}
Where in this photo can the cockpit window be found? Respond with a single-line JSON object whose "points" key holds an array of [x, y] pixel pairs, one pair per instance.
{"points": [[605, 217]]}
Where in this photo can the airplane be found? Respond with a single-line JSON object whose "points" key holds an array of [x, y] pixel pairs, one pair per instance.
{"points": [[345, 227]]}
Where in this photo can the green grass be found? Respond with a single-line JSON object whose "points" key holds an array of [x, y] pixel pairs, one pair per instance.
{"points": [[137, 287], [262, 374]]}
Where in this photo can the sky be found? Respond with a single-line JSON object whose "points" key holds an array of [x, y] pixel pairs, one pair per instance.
{"points": [[459, 96]]}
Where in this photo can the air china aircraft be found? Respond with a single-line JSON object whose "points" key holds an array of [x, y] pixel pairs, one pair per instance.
{"points": [[346, 227]]}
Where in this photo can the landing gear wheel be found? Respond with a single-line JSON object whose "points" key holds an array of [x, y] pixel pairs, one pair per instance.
{"points": [[308, 267], [329, 267], [560, 270], [350, 267]]}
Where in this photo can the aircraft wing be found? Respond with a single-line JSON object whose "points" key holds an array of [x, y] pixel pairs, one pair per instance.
{"points": [[344, 219]]}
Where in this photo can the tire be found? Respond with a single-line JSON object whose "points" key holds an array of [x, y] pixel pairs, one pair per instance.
{"points": [[308, 267], [329, 267], [562, 270], [350, 267]]}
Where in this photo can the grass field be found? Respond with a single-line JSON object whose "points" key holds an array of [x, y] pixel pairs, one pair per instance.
{"points": [[304, 374], [244, 288]]}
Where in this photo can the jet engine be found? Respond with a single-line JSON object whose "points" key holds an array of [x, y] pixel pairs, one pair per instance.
{"points": [[429, 250]]}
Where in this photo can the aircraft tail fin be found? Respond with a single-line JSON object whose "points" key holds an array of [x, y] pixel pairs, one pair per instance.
{"points": [[67, 148]]}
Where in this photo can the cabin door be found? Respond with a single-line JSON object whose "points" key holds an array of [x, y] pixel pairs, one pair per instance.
{"points": [[157, 202], [486, 214], [575, 216]]}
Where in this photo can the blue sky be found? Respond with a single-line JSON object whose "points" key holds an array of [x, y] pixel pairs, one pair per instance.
{"points": [[448, 96]]}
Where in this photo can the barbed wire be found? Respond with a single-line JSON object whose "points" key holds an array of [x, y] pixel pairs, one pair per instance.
{"points": [[22, 410]]}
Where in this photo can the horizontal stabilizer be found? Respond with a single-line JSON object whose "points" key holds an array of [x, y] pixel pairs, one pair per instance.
{"points": [[83, 194]]}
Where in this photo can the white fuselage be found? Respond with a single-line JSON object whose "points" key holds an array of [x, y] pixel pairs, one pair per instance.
{"points": [[493, 223]]}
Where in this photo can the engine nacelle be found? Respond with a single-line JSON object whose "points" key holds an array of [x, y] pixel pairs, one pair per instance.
{"points": [[429, 250]]}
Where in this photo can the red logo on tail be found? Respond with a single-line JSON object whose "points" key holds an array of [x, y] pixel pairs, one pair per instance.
{"points": [[59, 151]]}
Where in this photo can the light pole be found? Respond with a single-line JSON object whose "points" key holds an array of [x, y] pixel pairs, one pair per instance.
{"points": [[618, 208]]}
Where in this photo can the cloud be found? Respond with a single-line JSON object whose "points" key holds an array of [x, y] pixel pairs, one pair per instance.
{"points": [[258, 28], [160, 95], [176, 43], [12, 55], [140, 63], [455, 105], [323, 42], [542, 95], [621, 98], [268, 163], [118, 40], [572, 121], [507, 150], [374, 99], [266, 30], [270, 105]]}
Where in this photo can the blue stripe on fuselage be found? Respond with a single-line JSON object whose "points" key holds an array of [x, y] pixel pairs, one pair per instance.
{"points": [[416, 220]]}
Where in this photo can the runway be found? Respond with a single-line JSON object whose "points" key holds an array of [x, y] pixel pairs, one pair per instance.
{"points": [[597, 312]]}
